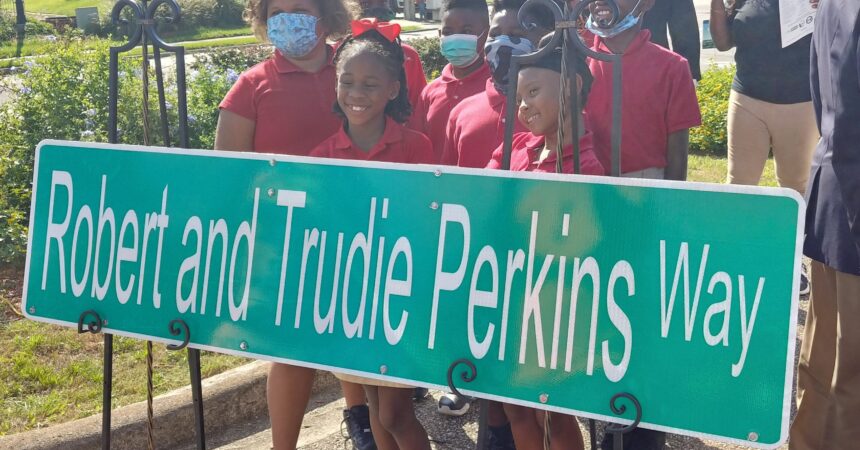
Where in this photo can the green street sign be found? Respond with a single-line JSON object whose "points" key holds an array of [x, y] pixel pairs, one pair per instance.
{"points": [[563, 290]]}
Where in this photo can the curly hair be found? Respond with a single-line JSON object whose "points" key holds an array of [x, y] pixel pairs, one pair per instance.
{"points": [[335, 16], [391, 59]]}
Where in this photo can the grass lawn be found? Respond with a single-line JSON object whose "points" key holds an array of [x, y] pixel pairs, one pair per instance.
{"points": [[65, 7], [51, 374]]}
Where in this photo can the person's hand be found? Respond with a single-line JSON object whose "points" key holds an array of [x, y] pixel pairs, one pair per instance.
{"points": [[813, 3]]}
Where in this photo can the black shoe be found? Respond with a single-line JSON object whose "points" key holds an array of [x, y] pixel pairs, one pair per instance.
{"points": [[357, 420], [804, 281], [453, 405], [500, 438], [638, 439], [420, 393]]}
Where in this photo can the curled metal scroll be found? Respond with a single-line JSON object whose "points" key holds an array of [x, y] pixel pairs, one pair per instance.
{"points": [[178, 327], [570, 41], [466, 375], [143, 31], [94, 325], [619, 409]]}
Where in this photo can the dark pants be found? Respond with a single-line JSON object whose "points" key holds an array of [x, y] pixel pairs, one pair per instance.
{"points": [[638, 439]]}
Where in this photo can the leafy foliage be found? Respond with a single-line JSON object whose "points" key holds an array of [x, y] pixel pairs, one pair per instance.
{"points": [[64, 95], [713, 92], [431, 56]]}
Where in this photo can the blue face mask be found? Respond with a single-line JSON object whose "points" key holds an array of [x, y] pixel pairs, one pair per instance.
{"points": [[461, 50], [628, 22], [293, 34]]}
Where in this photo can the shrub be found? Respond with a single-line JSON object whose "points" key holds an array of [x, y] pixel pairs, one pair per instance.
{"points": [[237, 58], [713, 92], [431, 55], [64, 95], [8, 31]]}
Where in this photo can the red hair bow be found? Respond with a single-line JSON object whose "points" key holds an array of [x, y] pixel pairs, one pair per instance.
{"points": [[390, 31]]}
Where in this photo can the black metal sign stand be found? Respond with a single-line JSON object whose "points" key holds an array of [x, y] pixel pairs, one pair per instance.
{"points": [[571, 43], [142, 30]]}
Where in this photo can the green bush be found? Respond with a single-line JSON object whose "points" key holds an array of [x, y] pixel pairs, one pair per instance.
{"points": [[713, 92], [431, 56], [8, 31], [64, 95]]}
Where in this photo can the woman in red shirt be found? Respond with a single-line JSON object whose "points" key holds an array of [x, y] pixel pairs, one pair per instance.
{"points": [[284, 105]]}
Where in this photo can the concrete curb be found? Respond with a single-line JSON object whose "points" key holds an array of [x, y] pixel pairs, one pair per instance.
{"points": [[230, 398]]}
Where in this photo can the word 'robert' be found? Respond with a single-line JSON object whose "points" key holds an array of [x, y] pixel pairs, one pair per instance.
{"points": [[132, 244]]}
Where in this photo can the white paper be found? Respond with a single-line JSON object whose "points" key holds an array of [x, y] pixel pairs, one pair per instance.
{"points": [[796, 20]]}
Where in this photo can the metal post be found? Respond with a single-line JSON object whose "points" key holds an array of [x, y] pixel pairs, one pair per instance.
{"points": [[197, 396], [572, 46], [107, 390]]}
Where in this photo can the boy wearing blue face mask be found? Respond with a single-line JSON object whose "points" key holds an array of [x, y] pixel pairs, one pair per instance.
{"points": [[659, 108], [463, 34], [476, 126], [660, 104]]}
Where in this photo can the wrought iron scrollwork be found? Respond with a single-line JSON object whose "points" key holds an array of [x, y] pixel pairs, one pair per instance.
{"points": [[571, 43], [94, 325], [143, 30], [466, 375], [178, 327], [619, 409]]}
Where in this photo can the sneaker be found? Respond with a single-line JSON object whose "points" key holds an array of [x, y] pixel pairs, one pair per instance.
{"points": [[804, 281], [500, 438], [453, 405], [357, 420], [420, 393]]}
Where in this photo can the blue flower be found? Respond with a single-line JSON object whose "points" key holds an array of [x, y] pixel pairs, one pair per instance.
{"points": [[90, 112], [25, 90], [51, 38], [29, 64], [192, 118], [87, 133], [232, 76]]}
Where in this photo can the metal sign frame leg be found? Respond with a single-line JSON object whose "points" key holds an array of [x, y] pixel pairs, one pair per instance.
{"points": [[142, 29]]}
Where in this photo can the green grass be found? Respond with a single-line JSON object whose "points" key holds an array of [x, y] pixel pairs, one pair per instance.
{"points": [[208, 33], [52, 374], [712, 169], [65, 7]]}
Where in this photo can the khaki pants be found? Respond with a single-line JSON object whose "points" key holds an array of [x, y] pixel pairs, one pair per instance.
{"points": [[828, 373], [755, 127]]}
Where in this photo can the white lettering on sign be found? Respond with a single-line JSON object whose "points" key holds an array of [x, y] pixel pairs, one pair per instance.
{"points": [[720, 308]]}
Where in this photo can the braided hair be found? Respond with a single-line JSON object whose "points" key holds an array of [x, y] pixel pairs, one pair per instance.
{"points": [[553, 61], [391, 59]]}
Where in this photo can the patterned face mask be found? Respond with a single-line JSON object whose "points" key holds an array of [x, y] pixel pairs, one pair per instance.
{"points": [[499, 50], [293, 34]]}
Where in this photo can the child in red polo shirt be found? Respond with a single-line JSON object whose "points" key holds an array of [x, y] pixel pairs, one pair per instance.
{"points": [[464, 31], [373, 102], [477, 125], [659, 106], [538, 92]]}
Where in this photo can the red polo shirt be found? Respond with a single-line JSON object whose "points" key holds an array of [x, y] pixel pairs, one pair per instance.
{"points": [[415, 80], [440, 97], [526, 149], [475, 128], [292, 108], [658, 99], [398, 144]]}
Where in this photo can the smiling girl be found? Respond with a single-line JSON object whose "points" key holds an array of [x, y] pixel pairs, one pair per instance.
{"points": [[372, 100]]}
